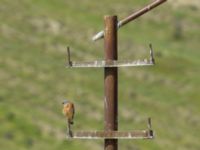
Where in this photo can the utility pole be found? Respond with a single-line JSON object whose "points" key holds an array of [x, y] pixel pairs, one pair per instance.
{"points": [[111, 81], [110, 64]]}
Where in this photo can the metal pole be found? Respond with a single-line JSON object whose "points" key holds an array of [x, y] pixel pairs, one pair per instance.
{"points": [[132, 17], [140, 12], [111, 81]]}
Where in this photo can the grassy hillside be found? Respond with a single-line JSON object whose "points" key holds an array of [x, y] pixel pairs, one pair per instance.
{"points": [[34, 35]]}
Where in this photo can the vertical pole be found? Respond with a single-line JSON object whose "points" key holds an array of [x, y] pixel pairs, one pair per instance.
{"points": [[111, 81]]}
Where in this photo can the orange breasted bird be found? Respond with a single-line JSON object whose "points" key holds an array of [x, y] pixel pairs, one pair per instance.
{"points": [[69, 111]]}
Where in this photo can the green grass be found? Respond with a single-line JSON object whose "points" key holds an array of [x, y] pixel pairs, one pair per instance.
{"points": [[34, 81]]}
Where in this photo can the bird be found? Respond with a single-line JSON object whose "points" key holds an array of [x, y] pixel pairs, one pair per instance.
{"points": [[69, 111]]}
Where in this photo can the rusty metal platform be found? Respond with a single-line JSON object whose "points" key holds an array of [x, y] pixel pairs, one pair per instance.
{"points": [[140, 134]]}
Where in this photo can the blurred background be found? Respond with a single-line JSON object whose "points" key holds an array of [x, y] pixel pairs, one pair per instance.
{"points": [[34, 81]]}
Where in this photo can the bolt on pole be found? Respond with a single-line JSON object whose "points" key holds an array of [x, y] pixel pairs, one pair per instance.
{"points": [[111, 81]]}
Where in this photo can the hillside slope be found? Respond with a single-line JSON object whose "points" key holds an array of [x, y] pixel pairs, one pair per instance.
{"points": [[34, 35]]}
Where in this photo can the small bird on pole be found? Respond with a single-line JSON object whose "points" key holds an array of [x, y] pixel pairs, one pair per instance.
{"points": [[69, 111]]}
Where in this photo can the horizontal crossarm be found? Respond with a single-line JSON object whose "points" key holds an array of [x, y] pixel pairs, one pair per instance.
{"points": [[140, 134], [114, 63]]}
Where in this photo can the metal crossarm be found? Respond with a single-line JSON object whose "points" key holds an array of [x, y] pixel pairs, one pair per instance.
{"points": [[111, 63], [140, 134]]}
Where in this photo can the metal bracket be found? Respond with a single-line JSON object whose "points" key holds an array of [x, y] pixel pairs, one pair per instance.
{"points": [[137, 134], [149, 123], [111, 63], [69, 59], [151, 54]]}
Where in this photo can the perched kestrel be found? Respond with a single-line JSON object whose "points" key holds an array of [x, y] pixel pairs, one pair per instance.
{"points": [[68, 111]]}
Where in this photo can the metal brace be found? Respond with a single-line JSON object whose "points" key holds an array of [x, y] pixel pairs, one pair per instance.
{"points": [[68, 54]]}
